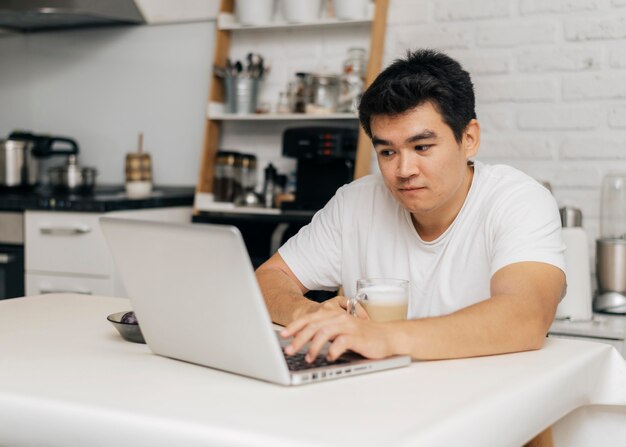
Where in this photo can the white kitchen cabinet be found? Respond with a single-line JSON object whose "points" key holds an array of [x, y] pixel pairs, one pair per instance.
{"points": [[66, 252], [38, 284], [66, 242]]}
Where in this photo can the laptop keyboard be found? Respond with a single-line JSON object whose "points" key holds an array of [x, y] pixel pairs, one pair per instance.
{"points": [[296, 362]]}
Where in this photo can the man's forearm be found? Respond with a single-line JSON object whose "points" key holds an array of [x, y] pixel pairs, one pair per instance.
{"points": [[283, 298], [498, 325]]}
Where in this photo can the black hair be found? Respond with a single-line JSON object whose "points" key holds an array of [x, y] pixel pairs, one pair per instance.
{"points": [[423, 76]]}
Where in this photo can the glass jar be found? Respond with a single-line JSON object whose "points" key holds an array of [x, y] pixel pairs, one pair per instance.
{"points": [[301, 91], [352, 80], [325, 92], [247, 176], [224, 178], [284, 104]]}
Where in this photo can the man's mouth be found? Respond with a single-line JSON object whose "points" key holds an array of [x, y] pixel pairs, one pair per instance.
{"points": [[410, 188]]}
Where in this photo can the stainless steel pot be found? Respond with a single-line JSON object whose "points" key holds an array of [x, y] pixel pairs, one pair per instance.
{"points": [[73, 178], [611, 264], [18, 165]]}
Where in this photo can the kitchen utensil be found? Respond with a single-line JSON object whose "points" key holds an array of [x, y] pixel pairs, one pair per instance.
{"points": [[576, 304], [128, 331], [22, 153], [242, 94], [72, 177], [611, 247]]}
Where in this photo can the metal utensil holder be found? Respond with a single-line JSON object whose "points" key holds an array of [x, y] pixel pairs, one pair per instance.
{"points": [[241, 95]]}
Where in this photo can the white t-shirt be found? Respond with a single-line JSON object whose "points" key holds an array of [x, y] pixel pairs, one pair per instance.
{"points": [[363, 232]]}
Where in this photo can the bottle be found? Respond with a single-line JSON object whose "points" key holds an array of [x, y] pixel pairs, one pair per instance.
{"points": [[269, 186], [576, 304]]}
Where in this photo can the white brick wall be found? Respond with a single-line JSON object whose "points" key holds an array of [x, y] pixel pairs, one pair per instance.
{"points": [[550, 79]]}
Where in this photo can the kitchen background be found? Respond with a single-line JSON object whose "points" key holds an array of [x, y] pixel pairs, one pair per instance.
{"points": [[549, 78]]}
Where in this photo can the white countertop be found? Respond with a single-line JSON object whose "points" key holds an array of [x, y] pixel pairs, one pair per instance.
{"points": [[67, 378], [600, 326]]}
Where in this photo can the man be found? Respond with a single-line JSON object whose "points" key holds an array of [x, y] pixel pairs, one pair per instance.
{"points": [[481, 245]]}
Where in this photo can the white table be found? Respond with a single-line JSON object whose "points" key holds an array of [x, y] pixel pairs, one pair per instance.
{"points": [[68, 379]]}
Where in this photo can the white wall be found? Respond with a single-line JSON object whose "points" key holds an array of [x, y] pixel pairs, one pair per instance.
{"points": [[103, 86]]}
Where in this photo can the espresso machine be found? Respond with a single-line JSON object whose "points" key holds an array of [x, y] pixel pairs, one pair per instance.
{"points": [[611, 247], [325, 161]]}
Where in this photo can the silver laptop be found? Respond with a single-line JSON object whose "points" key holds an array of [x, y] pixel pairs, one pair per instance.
{"points": [[196, 298]]}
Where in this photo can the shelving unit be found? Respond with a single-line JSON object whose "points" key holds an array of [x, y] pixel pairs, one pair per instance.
{"points": [[215, 114]]}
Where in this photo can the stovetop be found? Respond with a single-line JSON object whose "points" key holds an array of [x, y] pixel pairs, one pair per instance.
{"points": [[103, 198]]}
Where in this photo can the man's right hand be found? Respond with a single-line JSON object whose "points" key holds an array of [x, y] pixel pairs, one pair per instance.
{"points": [[340, 303]]}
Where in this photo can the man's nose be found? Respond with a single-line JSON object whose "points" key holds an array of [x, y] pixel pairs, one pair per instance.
{"points": [[408, 165]]}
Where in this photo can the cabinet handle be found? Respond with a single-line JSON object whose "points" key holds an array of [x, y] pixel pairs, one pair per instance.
{"points": [[6, 258], [82, 292], [65, 231]]}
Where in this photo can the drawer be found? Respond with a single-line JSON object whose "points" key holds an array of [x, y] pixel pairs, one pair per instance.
{"points": [[66, 243], [37, 284]]}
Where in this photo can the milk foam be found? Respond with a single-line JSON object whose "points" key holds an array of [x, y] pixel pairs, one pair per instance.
{"points": [[385, 295]]}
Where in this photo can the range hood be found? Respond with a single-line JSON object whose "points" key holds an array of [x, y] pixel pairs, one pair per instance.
{"points": [[42, 15]]}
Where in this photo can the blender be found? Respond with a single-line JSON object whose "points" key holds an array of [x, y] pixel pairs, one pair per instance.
{"points": [[611, 247]]}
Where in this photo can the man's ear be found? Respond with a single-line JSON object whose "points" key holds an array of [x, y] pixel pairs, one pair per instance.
{"points": [[471, 138]]}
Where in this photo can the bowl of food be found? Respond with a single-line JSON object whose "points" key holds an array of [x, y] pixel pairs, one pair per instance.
{"points": [[127, 325]]}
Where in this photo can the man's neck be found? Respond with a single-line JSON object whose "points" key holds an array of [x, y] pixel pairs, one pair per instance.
{"points": [[431, 226]]}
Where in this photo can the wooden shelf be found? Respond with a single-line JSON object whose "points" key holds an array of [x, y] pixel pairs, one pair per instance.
{"points": [[215, 111], [215, 116], [227, 21]]}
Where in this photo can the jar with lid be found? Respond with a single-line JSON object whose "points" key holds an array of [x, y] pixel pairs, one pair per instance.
{"points": [[352, 80], [300, 91], [325, 92], [246, 173], [224, 178]]}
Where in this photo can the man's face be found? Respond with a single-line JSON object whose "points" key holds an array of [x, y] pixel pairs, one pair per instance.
{"points": [[422, 164]]}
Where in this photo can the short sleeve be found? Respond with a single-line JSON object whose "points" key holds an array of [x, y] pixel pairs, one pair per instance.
{"points": [[314, 253], [527, 227]]}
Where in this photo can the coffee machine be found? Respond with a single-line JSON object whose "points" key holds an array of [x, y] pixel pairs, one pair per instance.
{"points": [[325, 161]]}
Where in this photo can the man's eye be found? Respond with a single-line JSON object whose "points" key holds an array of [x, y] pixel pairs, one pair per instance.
{"points": [[386, 153], [422, 148]]}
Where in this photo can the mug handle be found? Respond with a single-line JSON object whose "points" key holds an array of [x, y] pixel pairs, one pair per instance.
{"points": [[352, 302]]}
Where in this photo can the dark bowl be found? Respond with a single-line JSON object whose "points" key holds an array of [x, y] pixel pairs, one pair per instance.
{"points": [[130, 332]]}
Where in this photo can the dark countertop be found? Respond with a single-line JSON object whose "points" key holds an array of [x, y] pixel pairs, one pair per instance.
{"points": [[291, 217], [104, 198]]}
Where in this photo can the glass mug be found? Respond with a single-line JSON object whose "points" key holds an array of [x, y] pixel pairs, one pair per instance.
{"points": [[384, 299]]}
